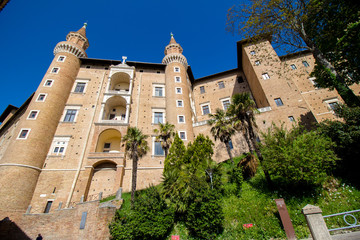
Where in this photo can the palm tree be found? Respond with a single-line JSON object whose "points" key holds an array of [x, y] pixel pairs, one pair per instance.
{"points": [[136, 147], [166, 133], [242, 111], [222, 129]]}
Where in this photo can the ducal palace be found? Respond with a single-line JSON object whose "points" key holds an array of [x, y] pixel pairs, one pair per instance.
{"points": [[64, 144]]}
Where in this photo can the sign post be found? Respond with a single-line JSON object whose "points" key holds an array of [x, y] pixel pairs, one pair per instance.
{"points": [[285, 219]]}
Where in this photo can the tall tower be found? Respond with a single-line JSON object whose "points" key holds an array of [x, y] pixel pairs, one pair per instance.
{"points": [[24, 158], [178, 91]]}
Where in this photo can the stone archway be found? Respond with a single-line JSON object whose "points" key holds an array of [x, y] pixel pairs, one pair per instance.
{"points": [[104, 179]]}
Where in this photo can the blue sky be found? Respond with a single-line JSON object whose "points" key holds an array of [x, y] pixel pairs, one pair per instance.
{"points": [[137, 29]]}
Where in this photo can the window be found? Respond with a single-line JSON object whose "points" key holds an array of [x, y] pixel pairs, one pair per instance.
{"points": [[205, 109], [158, 150], [278, 102], [179, 103], [306, 64], [177, 79], [158, 117], [257, 62], [48, 83], [55, 70], [158, 91], [41, 97], [293, 66], [313, 82], [226, 104], [231, 144], [178, 90], [291, 119], [333, 105], [70, 115], [24, 133], [33, 114], [59, 145], [61, 59], [48, 206], [221, 84], [80, 87], [202, 89], [265, 76], [181, 119], [182, 135], [107, 147], [252, 53], [176, 69]]}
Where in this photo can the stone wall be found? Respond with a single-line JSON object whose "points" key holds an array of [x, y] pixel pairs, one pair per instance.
{"points": [[61, 224]]}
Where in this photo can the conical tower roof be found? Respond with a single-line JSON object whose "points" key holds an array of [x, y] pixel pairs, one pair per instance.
{"points": [[82, 30]]}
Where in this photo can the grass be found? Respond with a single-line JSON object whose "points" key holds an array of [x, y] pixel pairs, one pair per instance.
{"points": [[256, 205]]}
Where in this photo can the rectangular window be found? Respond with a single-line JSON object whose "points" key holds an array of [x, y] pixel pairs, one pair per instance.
{"points": [[55, 70], [265, 76], [333, 105], [226, 104], [48, 206], [231, 144], [182, 135], [48, 83], [158, 91], [257, 62], [177, 79], [205, 109], [181, 119], [278, 102], [221, 84], [59, 145], [179, 103], [61, 59], [70, 115], [158, 150], [293, 66], [306, 64], [252, 53], [291, 119], [41, 97], [158, 117], [176, 69], [178, 90], [107, 147], [33, 114], [24, 133], [202, 89], [80, 87]]}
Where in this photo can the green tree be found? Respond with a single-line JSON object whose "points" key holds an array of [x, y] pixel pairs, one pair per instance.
{"points": [[242, 112], [165, 135], [136, 146], [295, 25], [176, 153], [297, 157], [222, 129], [150, 218]]}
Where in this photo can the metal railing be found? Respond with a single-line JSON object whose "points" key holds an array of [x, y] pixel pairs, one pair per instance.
{"points": [[347, 216]]}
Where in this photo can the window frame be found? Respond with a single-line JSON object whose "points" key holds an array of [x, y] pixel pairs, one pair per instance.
{"points": [[40, 94], [36, 114], [257, 63], [202, 89], [53, 71], [293, 66], [61, 56], [70, 107], [291, 118], [177, 79], [252, 52], [178, 101], [48, 80], [305, 63], [178, 118], [278, 102], [28, 130], [265, 76], [157, 144], [202, 108], [162, 86], [178, 88], [177, 69], [179, 133], [221, 84], [225, 100], [59, 143]]}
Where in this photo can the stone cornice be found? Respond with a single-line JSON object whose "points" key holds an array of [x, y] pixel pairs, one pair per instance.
{"points": [[69, 48], [175, 57]]}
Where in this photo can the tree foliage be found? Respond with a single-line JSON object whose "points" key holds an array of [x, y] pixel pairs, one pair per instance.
{"points": [[136, 146], [297, 157], [150, 218], [222, 129], [165, 134], [297, 25]]}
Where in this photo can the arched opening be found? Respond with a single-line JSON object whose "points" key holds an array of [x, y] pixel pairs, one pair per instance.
{"points": [[115, 109], [119, 82], [103, 179], [109, 141]]}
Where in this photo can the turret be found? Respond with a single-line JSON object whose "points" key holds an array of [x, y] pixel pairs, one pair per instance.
{"points": [[178, 90], [24, 158]]}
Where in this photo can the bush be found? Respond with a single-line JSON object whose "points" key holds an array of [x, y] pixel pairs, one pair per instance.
{"points": [[297, 157], [150, 218], [204, 217]]}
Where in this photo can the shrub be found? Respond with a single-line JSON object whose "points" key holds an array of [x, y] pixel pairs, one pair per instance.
{"points": [[297, 157], [150, 218]]}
